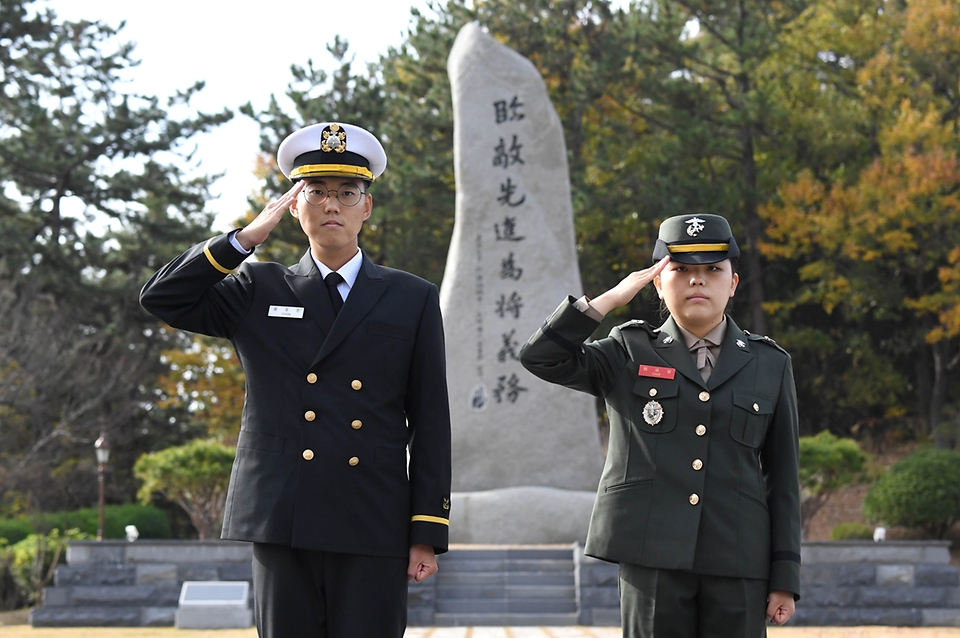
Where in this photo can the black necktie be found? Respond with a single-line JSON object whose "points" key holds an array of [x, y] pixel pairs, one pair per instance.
{"points": [[333, 280]]}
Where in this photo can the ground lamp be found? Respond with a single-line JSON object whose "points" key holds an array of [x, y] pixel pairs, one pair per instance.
{"points": [[102, 448]]}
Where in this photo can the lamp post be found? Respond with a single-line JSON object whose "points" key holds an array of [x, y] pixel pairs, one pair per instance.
{"points": [[102, 448]]}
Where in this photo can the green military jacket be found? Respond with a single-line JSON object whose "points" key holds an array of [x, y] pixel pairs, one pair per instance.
{"points": [[699, 476]]}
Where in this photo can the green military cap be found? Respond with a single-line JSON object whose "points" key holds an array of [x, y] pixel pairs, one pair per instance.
{"points": [[696, 239]]}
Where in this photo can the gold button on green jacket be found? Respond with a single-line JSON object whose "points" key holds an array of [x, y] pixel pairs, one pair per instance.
{"points": [[699, 476]]}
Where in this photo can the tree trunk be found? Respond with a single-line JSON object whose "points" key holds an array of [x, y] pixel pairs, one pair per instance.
{"points": [[750, 255]]}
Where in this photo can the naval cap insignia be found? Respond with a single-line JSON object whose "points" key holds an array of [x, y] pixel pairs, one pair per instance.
{"points": [[333, 139], [652, 412], [694, 226]]}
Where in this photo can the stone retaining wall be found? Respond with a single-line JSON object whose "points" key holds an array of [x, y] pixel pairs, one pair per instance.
{"points": [[114, 583]]}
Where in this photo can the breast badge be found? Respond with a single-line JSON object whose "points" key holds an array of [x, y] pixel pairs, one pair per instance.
{"points": [[652, 412]]}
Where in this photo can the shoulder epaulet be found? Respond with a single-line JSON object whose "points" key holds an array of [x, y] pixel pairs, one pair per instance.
{"points": [[641, 324], [764, 339]]}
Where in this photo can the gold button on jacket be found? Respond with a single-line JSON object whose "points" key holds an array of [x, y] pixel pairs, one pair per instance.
{"points": [[704, 396], [312, 378], [355, 384], [309, 415], [356, 424], [354, 461], [694, 499], [308, 455], [701, 430], [697, 464]]}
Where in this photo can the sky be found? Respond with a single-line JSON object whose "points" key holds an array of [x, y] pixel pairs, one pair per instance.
{"points": [[243, 53]]}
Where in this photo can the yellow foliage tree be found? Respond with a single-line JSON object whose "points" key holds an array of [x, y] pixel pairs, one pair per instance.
{"points": [[205, 379]]}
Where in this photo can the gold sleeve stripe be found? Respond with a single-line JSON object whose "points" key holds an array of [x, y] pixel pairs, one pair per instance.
{"points": [[698, 248], [316, 170], [422, 518], [213, 262]]}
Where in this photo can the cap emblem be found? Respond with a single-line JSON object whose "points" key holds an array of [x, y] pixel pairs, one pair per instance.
{"points": [[333, 139], [694, 226]]}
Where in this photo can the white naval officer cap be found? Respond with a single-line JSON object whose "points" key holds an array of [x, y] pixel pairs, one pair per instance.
{"points": [[331, 149]]}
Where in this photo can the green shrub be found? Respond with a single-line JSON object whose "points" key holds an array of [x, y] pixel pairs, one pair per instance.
{"points": [[36, 557], [851, 532], [11, 596], [921, 491], [195, 476], [14, 530], [827, 463], [151, 522]]}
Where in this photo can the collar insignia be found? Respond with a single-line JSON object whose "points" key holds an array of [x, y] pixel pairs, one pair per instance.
{"points": [[741, 344]]}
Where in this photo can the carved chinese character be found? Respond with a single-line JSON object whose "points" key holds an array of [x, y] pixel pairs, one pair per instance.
{"points": [[507, 191], [507, 231], [508, 269], [500, 110], [507, 157], [509, 349], [509, 305], [508, 387]]}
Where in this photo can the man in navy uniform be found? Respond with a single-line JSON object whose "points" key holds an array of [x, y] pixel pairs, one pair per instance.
{"points": [[345, 378]]}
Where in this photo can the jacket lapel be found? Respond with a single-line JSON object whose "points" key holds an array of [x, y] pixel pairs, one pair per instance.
{"points": [[673, 349], [307, 284], [366, 291], [734, 354]]}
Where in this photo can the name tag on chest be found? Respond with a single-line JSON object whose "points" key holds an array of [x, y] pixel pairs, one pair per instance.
{"points": [[287, 312], [657, 373]]}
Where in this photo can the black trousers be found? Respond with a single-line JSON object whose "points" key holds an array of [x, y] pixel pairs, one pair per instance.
{"points": [[669, 603], [309, 594]]}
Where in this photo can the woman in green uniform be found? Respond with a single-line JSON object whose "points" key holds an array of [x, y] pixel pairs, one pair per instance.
{"points": [[699, 500]]}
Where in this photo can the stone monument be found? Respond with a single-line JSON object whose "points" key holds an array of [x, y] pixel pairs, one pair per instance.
{"points": [[526, 454]]}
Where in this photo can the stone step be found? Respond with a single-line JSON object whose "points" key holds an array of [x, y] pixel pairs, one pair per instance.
{"points": [[887, 597], [102, 616], [511, 592], [516, 606], [505, 620], [555, 552], [117, 596], [506, 565], [109, 574], [544, 579]]}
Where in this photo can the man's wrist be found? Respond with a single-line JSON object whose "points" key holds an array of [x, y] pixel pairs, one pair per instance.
{"points": [[241, 243]]}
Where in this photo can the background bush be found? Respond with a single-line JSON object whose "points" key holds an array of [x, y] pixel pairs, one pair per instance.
{"points": [[827, 463], [151, 522], [35, 558], [851, 532], [921, 491]]}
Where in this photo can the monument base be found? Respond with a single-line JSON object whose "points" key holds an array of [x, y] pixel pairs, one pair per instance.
{"points": [[528, 515]]}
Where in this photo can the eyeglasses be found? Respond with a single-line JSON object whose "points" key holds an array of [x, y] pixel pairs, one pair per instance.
{"points": [[315, 194]]}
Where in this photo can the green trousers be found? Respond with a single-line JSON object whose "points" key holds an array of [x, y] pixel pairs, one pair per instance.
{"points": [[669, 603]]}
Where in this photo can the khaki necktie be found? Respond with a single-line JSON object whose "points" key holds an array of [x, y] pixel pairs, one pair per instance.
{"points": [[701, 352]]}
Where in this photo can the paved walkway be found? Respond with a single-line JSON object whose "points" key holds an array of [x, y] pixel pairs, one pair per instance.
{"points": [[512, 632]]}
